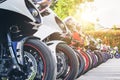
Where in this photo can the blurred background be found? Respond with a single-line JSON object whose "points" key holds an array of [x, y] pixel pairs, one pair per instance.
{"points": [[99, 18]]}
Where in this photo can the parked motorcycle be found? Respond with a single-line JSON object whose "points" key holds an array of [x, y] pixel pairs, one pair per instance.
{"points": [[23, 56], [92, 56], [66, 59]]}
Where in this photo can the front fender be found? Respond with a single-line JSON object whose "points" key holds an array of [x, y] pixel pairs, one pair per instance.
{"points": [[53, 45]]}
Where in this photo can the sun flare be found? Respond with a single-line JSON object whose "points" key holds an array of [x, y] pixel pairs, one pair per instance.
{"points": [[87, 12]]}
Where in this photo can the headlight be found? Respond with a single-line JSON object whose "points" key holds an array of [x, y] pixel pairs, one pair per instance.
{"points": [[34, 12], [61, 24]]}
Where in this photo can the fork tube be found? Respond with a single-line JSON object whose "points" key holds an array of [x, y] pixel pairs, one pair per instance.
{"points": [[11, 51]]}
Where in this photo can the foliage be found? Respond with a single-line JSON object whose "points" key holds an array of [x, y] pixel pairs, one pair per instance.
{"points": [[64, 8], [110, 37], [114, 27]]}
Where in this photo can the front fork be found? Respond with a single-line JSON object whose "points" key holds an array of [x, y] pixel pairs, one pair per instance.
{"points": [[16, 52], [12, 53]]}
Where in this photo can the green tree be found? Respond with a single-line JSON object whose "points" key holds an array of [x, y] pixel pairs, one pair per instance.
{"points": [[65, 8], [114, 27]]}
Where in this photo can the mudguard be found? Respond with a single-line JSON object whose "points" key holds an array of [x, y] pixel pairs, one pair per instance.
{"points": [[52, 46]]}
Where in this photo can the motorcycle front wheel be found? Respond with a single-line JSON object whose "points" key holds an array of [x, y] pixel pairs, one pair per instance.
{"points": [[46, 66], [67, 62]]}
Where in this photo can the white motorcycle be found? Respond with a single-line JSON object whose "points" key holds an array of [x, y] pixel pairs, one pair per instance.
{"points": [[50, 33], [23, 56]]}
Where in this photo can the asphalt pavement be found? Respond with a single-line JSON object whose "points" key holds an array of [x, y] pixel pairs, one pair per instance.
{"points": [[109, 70]]}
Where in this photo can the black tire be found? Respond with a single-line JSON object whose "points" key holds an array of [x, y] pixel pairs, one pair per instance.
{"points": [[90, 59], [81, 64], [100, 58], [71, 64], [46, 69]]}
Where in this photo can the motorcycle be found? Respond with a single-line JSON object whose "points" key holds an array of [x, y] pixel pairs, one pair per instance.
{"points": [[23, 56], [66, 59]]}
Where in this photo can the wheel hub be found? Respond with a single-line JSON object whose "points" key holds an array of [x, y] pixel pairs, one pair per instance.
{"points": [[61, 64]]}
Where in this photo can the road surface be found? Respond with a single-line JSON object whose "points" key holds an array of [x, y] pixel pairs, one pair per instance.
{"points": [[109, 70]]}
